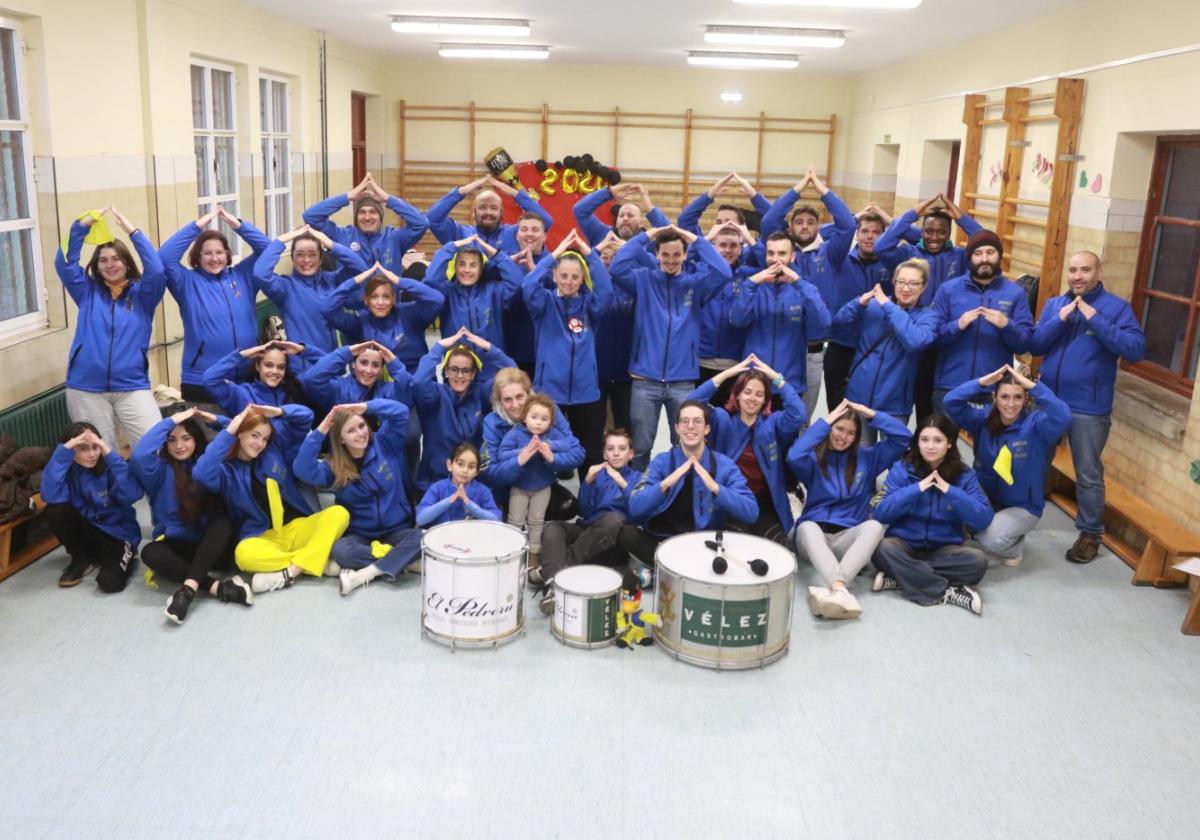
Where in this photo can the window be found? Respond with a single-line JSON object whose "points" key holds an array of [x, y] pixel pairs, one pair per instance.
{"points": [[22, 295], [214, 128], [276, 154], [1167, 290]]}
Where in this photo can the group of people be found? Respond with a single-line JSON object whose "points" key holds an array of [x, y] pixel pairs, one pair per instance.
{"points": [[559, 362]]}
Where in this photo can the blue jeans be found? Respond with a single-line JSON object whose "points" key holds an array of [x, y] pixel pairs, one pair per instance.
{"points": [[646, 400], [1087, 435], [924, 576], [354, 552]]}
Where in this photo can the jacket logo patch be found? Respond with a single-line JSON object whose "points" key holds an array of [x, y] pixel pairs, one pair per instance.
{"points": [[575, 325]]}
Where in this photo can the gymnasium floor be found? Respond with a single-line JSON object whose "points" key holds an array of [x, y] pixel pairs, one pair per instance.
{"points": [[1069, 710]]}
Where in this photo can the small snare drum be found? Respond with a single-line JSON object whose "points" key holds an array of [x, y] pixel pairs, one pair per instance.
{"points": [[586, 602], [471, 576], [727, 621]]}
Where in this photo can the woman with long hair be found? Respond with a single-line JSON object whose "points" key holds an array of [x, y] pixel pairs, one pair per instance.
{"points": [[193, 537], [838, 470], [270, 381], [929, 498], [355, 373]]}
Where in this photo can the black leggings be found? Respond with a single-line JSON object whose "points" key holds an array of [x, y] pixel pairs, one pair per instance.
{"points": [[617, 396], [178, 560], [766, 526], [587, 424], [838, 361], [85, 542], [640, 543]]}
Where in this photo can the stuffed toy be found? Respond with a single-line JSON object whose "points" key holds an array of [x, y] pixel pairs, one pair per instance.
{"points": [[632, 620]]}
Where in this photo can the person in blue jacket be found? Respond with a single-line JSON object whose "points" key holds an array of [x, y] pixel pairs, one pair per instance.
{"points": [[269, 379], [689, 217], [756, 438], [566, 318], [372, 240], [487, 209], [984, 318], [249, 464], [89, 507], [458, 496], [397, 325], [929, 497], [838, 470], [893, 334], [301, 294], [614, 341], [1083, 334], [367, 474], [779, 310], [193, 537], [721, 342], [328, 383], [690, 487], [452, 410], [478, 283], [107, 368], [1014, 443], [216, 298], [631, 208], [665, 362]]}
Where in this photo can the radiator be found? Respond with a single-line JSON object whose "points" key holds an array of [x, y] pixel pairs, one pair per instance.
{"points": [[39, 420]]}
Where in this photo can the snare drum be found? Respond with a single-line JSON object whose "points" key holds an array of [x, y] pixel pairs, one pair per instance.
{"points": [[586, 602], [729, 621], [471, 575]]}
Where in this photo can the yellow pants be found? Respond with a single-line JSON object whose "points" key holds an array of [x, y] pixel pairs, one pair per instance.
{"points": [[305, 542]]}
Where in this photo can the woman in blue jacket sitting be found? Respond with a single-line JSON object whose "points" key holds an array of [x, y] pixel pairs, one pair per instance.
{"points": [[329, 383], [367, 473], [757, 439], [929, 498], [193, 536], [478, 283], [270, 381], [458, 496], [1014, 442], [107, 369], [89, 499]]}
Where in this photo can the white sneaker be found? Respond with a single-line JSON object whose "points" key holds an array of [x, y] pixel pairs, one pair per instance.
{"points": [[1014, 561], [332, 569], [351, 579], [270, 581], [816, 598], [841, 604]]}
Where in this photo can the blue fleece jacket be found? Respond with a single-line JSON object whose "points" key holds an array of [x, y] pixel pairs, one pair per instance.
{"points": [[614, 339], [536, 473], [480, 306], [891, 340], [103, 495], [689, 217], [503, 237], [300, 298], [855, 277], [493, 472], [112, 336], [329, 383], [233, 480], [386, 246], [402, 330], [1093, 346], [827, 498], [931, 519], [1031, 440], [603, 495], [377, 500], [448, 419], [769, 439], [596, 231], [780, 318], [436, 507], [734, 501], [217, 310], [157, 478], [230, 388], [981, 348], [566, 332], [719, 338], [949, 262], [667, 313]]}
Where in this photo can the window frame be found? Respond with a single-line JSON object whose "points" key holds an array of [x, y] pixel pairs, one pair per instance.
{"points": [[269, 133], [38, 318], [207, 202], [1180, 383]]}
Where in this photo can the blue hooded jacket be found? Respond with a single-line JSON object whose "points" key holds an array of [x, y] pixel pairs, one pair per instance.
{"points": [[1087, 384], [329, 383], [780, 318], [597, 231], [735, 500], [157, 478], [891, 340], [218, 311], [827, 498], [377, 500], [949, 262], [931, 519], [103, 495], [501, 475], [667, 310], [479, 307], [856, 277], [536, 473], [981, 348], [503, 238], [402, 330], [435, 507], [230, 390], [719, 338], [387, 246], [602, 495], [112, 336]]}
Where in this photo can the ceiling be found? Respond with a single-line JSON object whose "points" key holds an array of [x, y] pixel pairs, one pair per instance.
{"points": [[658, 32]]}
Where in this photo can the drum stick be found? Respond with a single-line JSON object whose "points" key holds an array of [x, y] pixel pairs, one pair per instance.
{"points": [[756, 566]]}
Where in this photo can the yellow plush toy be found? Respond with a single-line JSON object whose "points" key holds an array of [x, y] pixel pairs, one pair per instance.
{"points": [[632, 620]]}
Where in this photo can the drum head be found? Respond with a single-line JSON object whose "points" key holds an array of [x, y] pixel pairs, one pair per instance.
{"points": [[687, 556], [588, 580], [473, 539]]}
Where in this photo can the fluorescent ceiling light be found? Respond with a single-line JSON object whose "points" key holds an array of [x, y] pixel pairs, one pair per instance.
{"points": [[837, 4], [427, 24], [745, 61], [731, 96], [774, 36], [503, 51]]}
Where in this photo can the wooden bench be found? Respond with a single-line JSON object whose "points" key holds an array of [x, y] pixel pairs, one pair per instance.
{"points": [[1191, 621], [1166, 540], [10, 563]]}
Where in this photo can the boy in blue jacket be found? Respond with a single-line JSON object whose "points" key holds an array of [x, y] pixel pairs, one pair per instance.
{"points": [[369, 237], [487, 209], [1093, 329]]}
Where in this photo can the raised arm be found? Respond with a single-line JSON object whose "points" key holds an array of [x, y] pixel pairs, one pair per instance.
{"points": [[318, 215], [74, 278]]}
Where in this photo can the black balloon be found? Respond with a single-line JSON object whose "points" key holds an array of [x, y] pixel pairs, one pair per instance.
{"points": [[540, 165], [614, 177]]}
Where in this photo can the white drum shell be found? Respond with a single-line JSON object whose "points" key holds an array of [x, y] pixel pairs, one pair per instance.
{"points": [[587, 599]]}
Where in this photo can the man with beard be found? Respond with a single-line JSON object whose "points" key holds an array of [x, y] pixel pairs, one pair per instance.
{"points": [[985, 319], [487, 213], [369, 237], [632, 206], [1089, 329]]}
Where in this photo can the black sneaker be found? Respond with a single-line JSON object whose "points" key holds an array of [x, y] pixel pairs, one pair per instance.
{"points": [[75, 572], [546, 603], [177, 607], [965, 597], [883, 583], [235, 591]]}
